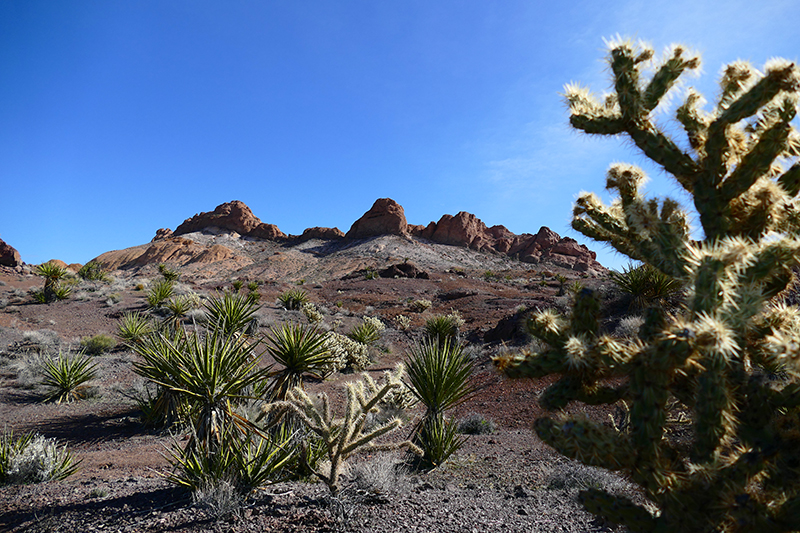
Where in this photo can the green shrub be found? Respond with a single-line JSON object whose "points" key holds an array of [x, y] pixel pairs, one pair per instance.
{"points": [[94, 271], [98, 344], [65, 377], [476, 424], [237, 285], [293, 300], [438, 439], [170, 276], [441, 327], [736, 468], [53, 275]]}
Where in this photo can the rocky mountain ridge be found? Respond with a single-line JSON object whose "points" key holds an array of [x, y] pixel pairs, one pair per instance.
{"points": [[235, 229]]}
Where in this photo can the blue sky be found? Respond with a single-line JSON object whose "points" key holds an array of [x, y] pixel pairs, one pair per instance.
{"points": [[119, 118]]}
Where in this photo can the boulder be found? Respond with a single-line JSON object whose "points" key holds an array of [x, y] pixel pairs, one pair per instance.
{"points": [[232, 216], [403, 270], [9, 256], [385, 217], [328, 234]]}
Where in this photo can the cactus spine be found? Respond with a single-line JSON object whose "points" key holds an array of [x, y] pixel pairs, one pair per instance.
{"points": [[731, 355]]}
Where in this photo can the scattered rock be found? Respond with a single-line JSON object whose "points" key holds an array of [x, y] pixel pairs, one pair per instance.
{"points": [[232, 216], [385, 217], [9, 256]]}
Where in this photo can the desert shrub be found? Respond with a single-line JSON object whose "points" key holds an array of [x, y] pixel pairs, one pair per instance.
{"points": [[420, 306], [402, 322], [379, 476], [293, 300], [237, 285], [368, 332], [33, 458], [476, 424], [629, 326], [311, 313], [230, 312], [299, 350], [716, 356], [441, 327], [66, 375], [169, 275], [645, 285], [344, 436], [40, 340], [252, 286], [346, 353], [159, 292], [98, 344], [133, 327], [94, 271]]}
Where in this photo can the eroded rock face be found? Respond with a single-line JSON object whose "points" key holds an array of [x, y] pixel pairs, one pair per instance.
{"points": [[232, 216], [9, 256], [385, 217], [161, 234], [174, 251]]}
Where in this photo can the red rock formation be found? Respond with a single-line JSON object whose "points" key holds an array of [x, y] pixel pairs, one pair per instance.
{"points": [[232, 216], [9, 256], [322, 233], [386, 217], [174, 250], [161, 234]]}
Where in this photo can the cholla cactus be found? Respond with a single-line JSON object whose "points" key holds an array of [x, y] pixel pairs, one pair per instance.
{"points": [[731, 356], [343, 437]]}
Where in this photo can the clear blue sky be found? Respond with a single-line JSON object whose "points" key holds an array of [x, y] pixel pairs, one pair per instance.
{"points": [[119, 118]]}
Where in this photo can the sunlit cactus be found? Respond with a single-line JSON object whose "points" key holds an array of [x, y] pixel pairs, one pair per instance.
{"points": [[731, 355]]}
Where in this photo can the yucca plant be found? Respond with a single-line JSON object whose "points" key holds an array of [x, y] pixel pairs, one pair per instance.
{"points": [[439, 375], [160, 292], [65, 377], [168, 274], [210, 373], [299, 350], [438, 438], [247, 461], [368, 332], [293, 300], [439, 328], [52, 274], [133, 327], [230, 312], [645, 285]]}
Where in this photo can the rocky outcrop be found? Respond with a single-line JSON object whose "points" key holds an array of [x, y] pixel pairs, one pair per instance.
{"points": [[9, 256], [232, 216], [465, 229], [385, 217], [321, 233], [177, 251], [403, 270], [161, 234]]}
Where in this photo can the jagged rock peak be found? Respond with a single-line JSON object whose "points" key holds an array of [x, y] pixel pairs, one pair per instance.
{"points": [[231, 216], [385, 217]]}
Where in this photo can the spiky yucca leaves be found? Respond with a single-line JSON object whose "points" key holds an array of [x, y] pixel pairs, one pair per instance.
{"points": [[210, 374], [343, 437], [293, 300], [159, 292], [439, 375], [133, 327], [52, 274], [65, 377], [740, 468], [299, 350], [645, 285], [33, 458], [231, 312]]}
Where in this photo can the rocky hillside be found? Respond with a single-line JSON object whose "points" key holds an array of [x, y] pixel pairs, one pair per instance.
{"points": [[231, 238]]}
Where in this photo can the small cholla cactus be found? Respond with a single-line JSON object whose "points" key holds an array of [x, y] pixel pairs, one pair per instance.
{"points": [[731, 356], [343, 437]]}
